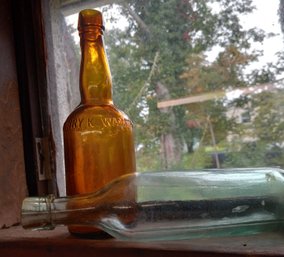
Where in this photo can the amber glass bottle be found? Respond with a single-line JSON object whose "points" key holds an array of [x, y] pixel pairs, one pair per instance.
{"points": [[98, 138]]}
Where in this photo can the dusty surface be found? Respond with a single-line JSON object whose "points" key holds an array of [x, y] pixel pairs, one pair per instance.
{"points": [[12, 174]]}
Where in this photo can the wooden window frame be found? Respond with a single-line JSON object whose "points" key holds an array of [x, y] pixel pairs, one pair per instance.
{"points": [[31, 70]]}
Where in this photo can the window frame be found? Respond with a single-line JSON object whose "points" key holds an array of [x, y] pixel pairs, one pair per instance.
{"points": [[31, 71]]}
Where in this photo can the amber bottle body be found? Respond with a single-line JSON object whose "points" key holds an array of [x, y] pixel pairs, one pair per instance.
{"points": [[98, 138]]}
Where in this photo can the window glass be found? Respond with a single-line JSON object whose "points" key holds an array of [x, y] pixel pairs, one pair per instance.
{"points": [[201, 80]]}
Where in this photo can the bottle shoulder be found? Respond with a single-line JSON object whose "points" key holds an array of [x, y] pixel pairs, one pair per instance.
{"points": [[108, 110]]}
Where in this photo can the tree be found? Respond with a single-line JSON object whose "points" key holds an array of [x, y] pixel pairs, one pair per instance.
{"points": [[219, 76], [151, 58], [266, 126]]}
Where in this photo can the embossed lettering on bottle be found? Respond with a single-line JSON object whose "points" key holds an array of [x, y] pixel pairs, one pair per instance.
{"points": [[81, 124]]}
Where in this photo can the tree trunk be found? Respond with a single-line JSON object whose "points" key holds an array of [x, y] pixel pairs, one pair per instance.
{"points": [[170, 144]]}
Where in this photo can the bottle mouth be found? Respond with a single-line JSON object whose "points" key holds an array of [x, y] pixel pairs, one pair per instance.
{"points": [[36, 213], [90, 21]]}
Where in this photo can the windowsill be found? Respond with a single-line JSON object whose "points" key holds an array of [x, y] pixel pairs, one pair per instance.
{"points": [[18, 242]]}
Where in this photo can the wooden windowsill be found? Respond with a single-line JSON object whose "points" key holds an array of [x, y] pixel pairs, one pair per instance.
{"points": [[16, 242]]}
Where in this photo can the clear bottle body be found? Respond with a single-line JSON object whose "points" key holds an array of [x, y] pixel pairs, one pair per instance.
{"points": [[98, 138], [172, 205]]}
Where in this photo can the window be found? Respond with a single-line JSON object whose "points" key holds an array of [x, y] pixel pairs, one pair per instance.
{"points": [[182, 70], [245, 117]]}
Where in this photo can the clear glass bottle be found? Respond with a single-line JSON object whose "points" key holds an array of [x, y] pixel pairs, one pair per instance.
{"points": [[171, 205], [98, 138]]}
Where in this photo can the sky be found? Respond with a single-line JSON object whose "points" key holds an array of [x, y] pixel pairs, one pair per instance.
{"points": [[264, 17]]}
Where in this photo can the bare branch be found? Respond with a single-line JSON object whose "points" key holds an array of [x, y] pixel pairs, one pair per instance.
{"points": [[146, 84], [136, 17]]}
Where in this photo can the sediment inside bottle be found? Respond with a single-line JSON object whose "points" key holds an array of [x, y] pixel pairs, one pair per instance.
{"points": [[197, 218]]}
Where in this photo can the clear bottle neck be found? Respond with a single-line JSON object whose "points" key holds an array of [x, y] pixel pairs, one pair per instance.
{"points": [[45, 213], [118, 198], [95, 76]]}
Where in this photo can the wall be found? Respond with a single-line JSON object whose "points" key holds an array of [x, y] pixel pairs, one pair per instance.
{"points": [[12, 174]]}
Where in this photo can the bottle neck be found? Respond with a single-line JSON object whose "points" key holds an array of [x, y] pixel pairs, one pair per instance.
{"points": [[118, 199], [45, 213], [95, 77]]}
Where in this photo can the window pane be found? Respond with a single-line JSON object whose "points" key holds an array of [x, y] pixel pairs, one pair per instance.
{"points": [[201, 80]]}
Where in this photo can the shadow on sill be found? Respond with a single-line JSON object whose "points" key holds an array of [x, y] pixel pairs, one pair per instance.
{"points": [[16, 241]]}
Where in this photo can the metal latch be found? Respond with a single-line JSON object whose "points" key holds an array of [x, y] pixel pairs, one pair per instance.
{"points": [[43, 158]]}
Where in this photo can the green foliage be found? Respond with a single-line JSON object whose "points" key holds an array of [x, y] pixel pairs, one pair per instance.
{"points": [[180, 32], [197, 160], [248, 155], [265, 131], [202, 77]]}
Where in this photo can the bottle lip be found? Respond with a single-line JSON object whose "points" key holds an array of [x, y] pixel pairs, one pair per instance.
{"points": [[36, 213], [38, 204], [90, 20]]}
